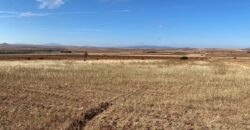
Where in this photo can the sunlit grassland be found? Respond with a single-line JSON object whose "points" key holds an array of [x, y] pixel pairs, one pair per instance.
{"points": [[144, 94]]}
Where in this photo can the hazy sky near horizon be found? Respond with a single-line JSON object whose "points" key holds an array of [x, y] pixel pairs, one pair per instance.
{"points": [[175, 23]]}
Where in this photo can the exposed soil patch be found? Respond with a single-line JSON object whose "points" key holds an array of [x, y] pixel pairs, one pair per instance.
{"points": [[79, 124]]}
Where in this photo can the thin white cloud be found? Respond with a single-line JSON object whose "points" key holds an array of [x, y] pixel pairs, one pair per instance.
{"points": [[50, 4], [30, 14], [12, 14], [7, 16], [8, 12]]}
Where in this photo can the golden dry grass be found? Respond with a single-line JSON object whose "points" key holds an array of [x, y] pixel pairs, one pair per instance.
{"points": [[142, 94]]}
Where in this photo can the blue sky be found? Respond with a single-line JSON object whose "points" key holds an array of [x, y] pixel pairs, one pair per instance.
{"points": [[176, 23]]}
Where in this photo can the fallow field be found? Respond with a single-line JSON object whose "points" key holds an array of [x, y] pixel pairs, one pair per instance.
{"points": [[129, 95]]}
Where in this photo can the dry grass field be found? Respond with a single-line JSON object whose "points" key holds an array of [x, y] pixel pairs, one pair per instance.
{"points": [[132, 94]]}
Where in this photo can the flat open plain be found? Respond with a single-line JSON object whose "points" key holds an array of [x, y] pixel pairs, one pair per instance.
{"points": [[130, 94]]}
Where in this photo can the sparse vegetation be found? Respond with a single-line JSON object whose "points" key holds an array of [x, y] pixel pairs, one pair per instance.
{"points": [[86, 54], [66, 51], [151, 52], [141, 95], [184, 58]]}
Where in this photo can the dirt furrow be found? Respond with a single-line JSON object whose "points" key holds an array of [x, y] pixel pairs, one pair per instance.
{"points": [[79, 124]]}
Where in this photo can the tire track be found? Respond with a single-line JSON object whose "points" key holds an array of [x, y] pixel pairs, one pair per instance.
{"points": [[79, 124]]}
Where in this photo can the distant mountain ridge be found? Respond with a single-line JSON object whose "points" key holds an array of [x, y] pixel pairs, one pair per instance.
{"points": [[58, 45], [148, 47]]}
